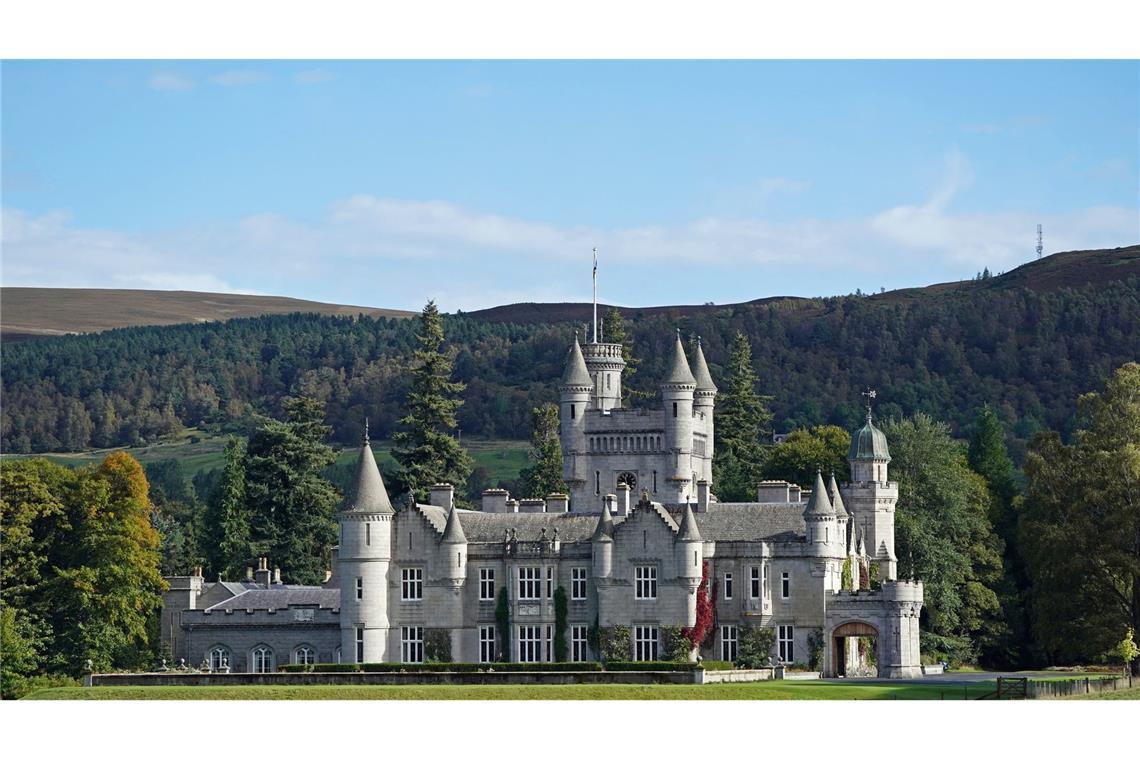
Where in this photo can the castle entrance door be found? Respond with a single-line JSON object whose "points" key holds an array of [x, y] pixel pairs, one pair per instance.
{"points": [[855, 650]]}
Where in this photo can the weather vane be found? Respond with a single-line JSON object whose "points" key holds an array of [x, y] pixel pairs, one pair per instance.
{"points": [[869, 394]]}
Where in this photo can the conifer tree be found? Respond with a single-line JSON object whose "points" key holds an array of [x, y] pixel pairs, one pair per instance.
{"points": [[742, 420], [544, 475], [613, 331], [425, 449], [229, 516], [292, 505]]}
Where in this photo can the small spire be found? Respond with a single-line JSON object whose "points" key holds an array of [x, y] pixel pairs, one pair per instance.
{"points": [[453, 531], [605, 529], [836, 499], [679, 371], [689, 530], [819, 505]]}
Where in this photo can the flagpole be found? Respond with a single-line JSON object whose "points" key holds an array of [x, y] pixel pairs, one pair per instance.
{"points": [[595, 295]]}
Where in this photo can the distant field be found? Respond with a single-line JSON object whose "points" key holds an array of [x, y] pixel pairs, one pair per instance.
{"points": [[777, 690], [502, 458], [42, 312]]}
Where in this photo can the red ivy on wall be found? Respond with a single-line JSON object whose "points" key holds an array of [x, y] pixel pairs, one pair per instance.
{"points": [[706, 612]]}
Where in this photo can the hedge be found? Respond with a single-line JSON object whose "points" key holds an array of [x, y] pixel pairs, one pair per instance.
{"points": [[445, 667], [655, 665], [717, 665]]}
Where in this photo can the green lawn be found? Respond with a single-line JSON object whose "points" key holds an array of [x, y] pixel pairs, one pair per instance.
{"points": [[196, 451], [783, 690], [1133, 693]]}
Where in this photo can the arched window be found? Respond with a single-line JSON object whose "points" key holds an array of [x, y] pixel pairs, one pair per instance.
{"points": [[338, 654], [219, 658], [304, 655], [261, 659]]}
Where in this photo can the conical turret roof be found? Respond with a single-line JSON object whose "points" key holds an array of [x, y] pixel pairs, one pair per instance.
{"points": [[369, 495], [689, 530], [836, 499], [819, 505], [701, 371], [605, 529], [679, 372], [453, 531], [576, 372]]}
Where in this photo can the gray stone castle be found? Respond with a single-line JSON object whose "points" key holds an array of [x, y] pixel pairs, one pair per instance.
{"points": [[628, 547]]}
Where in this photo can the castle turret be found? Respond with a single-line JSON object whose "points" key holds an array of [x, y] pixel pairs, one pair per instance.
{"points": [[363, 559], [842, 518], [691, 549], [819, 519], [574, 395], [704, 399], [872, 496], [677, 396], [603, 545], [455, 546]]}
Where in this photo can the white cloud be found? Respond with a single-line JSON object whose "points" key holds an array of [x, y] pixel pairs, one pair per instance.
{"points": [[169, 81], [312, 76], [239, 78], [397, 252]]}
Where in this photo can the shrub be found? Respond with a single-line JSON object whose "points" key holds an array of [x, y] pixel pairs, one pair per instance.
{"points": [[848, 582], [437, 645], [616, 643], [815, 648], [676, 645], [755, 646], [503, 621], [560, 613]]}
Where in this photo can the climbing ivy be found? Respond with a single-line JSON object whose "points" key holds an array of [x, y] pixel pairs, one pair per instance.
{"points": [[503, 620]]}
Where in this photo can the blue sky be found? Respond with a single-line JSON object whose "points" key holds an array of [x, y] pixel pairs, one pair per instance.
{"points": [[478, 183]]}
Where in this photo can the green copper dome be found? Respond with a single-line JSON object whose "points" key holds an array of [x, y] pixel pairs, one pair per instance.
{"points": [[869, 443]]}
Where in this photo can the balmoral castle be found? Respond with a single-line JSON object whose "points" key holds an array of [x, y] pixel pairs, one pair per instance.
{"points": [[628, 547]]}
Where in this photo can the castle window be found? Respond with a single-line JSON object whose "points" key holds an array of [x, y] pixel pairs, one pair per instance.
{"points": [[549, 582], [674, 408], [530, 643], [359, 588], [728, 643], [764, 577], [360, 645], [785, 635], [412, 643], [368, 534], [609, 377], [598, 482], [412, 584], [304, 655], [579, 649], [486, 584], [785, 586], [655, 481], [754, 582], [261, 660], [644, 643], [578, 583], [645, 586], [549, 639], [728, 585], [486, 643], [219, 658], [529, 583], [572, 411]]}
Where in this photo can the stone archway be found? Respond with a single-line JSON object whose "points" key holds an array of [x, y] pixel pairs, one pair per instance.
{"points": [[851, 653]]}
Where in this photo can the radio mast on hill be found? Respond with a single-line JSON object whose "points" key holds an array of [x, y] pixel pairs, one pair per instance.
{"points": [[1040, 247]]}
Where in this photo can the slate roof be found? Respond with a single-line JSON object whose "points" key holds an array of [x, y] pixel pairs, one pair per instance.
{"points": [[701, 371], [369, 494], [280, 597], [679, 372], [576, 372], [727, 521]]}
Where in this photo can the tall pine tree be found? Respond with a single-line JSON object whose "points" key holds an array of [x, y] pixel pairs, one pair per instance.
{"points": [[544, 475], [229, 519], [742, 420], [425, 449], [613, 331], [292, 505]]}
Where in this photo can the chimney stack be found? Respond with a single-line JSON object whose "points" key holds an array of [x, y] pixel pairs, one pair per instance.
{"points": [[702, 496], [623, 498], [263, 575], [277, 576], [442, 495]]}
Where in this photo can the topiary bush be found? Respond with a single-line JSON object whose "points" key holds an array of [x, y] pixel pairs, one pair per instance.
{"points": [[676, 645], [754, 647]]}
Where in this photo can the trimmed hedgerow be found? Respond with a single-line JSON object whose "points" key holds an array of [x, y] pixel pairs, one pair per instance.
{"points": [[717, 665], [653, 665]]}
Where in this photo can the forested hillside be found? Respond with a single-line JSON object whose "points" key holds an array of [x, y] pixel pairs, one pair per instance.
{"points": [[1024, 348]]}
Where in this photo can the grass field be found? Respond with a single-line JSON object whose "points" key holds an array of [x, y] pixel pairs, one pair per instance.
{"points": [[502, 458], [777, 690], [1133, 693]]}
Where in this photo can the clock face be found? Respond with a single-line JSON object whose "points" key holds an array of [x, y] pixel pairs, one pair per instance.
{"points": [[629, 478]]}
